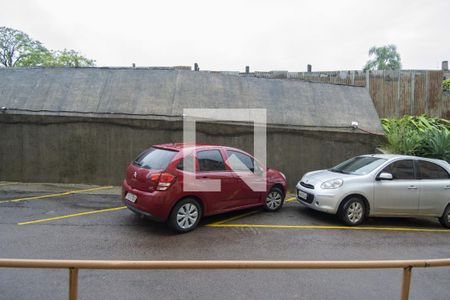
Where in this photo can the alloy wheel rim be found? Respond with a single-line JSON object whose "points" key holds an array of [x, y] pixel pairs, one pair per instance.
{"points": [[355, 212], [273, 200], [187, 215]]}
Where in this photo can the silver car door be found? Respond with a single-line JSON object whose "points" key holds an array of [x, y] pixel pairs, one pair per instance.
{"points": [[434, 188], [399, 196]]}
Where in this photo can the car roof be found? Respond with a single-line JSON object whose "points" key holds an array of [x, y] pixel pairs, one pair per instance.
{"points": [[180, 146], [394, 156], [391, 156]]}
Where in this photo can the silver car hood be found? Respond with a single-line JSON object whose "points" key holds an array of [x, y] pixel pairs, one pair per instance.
{"points": [[317, 177]]}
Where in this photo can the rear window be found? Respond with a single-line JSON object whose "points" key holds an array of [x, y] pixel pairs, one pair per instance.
{"points": [[154, 158], [428, 170]]}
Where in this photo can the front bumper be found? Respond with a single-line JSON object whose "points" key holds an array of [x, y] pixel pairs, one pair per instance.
{"points": [[325, 202]]}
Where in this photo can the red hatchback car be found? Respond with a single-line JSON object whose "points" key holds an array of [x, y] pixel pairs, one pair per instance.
{"points": [[224, 179]]}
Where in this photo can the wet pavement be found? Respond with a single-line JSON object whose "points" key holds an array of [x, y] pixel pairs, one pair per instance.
{"points": [[57, 221]]}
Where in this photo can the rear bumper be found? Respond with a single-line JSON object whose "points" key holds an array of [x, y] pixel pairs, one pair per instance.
{"points": [[141, 212], [153, 205]]}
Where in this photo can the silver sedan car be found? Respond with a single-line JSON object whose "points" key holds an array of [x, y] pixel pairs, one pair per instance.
{"points": [[380, 185]]}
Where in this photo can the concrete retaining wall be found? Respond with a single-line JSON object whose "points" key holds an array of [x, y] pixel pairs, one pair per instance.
{"points": [[38, 148]]}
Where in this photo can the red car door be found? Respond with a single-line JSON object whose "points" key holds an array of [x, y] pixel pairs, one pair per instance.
{"points": [[211, 166], [250, 185]]}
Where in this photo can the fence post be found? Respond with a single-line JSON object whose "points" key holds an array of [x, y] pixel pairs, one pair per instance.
{"points": [[406, 283], [427, 91], [368, 81], [397, 103], [412, 99], [73, 284]]}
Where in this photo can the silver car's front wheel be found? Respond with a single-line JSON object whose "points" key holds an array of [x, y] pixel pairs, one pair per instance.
{"points": [[445, 218], [353, 211]]}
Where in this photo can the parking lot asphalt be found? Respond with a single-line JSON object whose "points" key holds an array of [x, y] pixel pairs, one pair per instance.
{"points": [[60, 221]]}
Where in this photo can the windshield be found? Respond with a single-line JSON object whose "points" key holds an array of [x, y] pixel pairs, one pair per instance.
{"points": [[154, 158], [360, 165]]}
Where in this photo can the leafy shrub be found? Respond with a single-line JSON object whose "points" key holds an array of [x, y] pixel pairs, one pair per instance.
{"points": [[446, 85], [418, 135], [436, 144], [402, 140]]}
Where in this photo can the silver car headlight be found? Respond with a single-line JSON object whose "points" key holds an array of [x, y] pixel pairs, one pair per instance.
{"points": [[332, 184]]}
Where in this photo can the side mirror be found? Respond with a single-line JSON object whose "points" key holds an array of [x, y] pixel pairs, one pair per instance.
{"points": [[385, 176]]}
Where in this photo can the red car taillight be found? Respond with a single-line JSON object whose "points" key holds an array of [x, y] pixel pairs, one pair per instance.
{"points": [[165, 181], [162, 181]]}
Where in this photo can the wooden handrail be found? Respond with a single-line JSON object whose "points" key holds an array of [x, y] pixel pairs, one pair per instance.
{"points": [[219, 264], [74, 265]]}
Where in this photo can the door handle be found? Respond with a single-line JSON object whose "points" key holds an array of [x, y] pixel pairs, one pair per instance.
{"points": [[447, 187], [412, 187]]}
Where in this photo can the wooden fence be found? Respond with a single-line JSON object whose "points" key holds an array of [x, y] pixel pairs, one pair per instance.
{"points": [[394, 93], [446, 104], [398, 93]]}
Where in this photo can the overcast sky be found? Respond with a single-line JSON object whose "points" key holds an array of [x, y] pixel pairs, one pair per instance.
{"points": [[230, 34]]}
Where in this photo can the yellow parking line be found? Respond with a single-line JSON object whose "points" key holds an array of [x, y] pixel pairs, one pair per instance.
{"points": [[73, 215], [234, 218], [244, 215], [58, 194], [290, 199], [328, 227]]}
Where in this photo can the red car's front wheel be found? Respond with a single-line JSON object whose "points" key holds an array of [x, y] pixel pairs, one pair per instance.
{"points": [[274, 199]]}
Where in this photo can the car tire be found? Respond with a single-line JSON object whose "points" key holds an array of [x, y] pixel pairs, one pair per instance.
{"points": [[445, 218], [185, 215], [274, 200], [353, 211]]}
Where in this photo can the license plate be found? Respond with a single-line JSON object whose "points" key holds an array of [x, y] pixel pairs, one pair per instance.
{"points": [[131, 197], [302, 195]]}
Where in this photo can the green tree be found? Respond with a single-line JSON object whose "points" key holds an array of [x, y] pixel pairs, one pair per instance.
{"points": [[383, 58], [17, 49], [70, 58]]}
